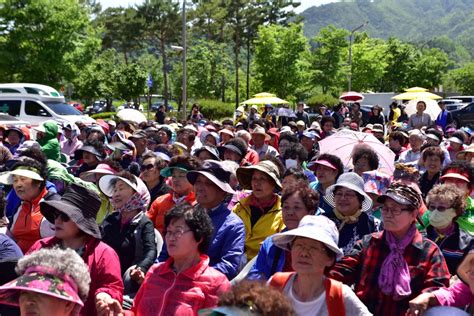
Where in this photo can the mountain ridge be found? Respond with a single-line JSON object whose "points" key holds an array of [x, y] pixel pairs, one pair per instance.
{"points": [[417, 21]]}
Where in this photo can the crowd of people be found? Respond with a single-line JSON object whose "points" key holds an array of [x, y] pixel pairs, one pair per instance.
{"points": [[237, 217]]}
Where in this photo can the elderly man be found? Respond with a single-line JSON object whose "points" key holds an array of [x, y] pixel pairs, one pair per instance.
{"points": [[259, 138], [213, 192]]}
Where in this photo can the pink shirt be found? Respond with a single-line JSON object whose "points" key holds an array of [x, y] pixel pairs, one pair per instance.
{"points": [[459, 295], [69, 147]]}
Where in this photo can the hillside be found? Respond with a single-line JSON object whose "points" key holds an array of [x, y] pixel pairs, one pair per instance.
{"points": [[410, 20]]}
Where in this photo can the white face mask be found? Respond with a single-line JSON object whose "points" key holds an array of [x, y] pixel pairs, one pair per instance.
{"points": [[289, 163], [442, 220]]}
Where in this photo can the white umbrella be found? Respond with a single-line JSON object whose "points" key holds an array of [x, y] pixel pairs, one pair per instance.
{"points": [[432, 107], [342, 144], [131, 115]]}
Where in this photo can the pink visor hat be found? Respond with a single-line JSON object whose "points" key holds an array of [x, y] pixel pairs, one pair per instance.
{"points": [[322, 163], [101, 168], [43, 280]]}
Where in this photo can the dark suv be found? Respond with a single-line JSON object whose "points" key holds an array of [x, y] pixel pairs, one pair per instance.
{"points": [[464, 116]]}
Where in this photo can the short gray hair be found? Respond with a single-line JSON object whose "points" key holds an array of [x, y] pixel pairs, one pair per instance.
{"points": [[66, 262]]}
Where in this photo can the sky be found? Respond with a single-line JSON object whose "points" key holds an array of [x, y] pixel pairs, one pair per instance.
{"points": [[125, 3]]}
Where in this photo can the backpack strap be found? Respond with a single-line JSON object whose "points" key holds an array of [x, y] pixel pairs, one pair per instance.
{"points": [[334, 298], [280, 279]]}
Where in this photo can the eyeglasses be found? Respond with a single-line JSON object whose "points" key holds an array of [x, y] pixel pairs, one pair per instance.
{"points": [[437, 208], [394, 211], [61, 216], [147, 167], [311, 249], [176, 234]]}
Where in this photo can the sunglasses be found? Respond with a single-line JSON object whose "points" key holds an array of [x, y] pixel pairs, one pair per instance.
{"points": [[62, 216], [147, 167]]}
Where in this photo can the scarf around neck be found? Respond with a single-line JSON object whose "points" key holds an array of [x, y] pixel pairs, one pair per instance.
{"points": [[394, 278], [263, 206], [349, 219]]}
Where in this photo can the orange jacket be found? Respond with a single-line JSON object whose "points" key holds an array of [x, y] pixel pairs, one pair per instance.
{"points": [[163, 204], [27, 226]]}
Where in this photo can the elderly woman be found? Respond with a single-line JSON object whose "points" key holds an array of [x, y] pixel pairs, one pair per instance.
{"points": [[350, 206], [298, 201], [327, 169], [460, 173], [107, 166], [309, 291], [128, 230], [446, 203], [75, 228], [91, 154], [181, 189], [389, 268], [261, 211], [28, 178], [150, 174], [188, 235], [432, 159], [52, 282], [364, 159], [412, 155]]}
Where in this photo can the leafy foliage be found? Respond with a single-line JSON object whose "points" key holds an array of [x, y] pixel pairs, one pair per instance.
{"points": [[214, 109], [278, 57], [39, 38]]}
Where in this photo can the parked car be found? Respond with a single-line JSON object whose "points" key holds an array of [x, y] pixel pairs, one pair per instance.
{"points": [[77, 105], [464, 116], [452, 104], [35, 103], [156, 105], [8, 120], [99, 107], [465, 99]]}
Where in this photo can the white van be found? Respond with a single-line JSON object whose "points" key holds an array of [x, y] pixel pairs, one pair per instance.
{"points": [[35, 103]]}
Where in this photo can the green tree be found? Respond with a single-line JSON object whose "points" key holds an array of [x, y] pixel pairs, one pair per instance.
{"points": [[430, 68], [401, 61], [326, 60], [98, 79], [124, 30], [462, 79], [36, 38], [130, 81], [278, 56], [206, 66], [368, 64], [163, 21]]}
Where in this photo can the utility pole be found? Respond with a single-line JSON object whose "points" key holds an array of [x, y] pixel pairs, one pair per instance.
{"points": [[185, 101], [350, 53]]}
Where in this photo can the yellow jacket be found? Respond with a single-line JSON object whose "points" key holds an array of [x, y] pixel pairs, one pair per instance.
{"points": [[270, 223]]}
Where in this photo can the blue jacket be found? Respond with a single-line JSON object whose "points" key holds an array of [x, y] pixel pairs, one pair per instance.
{"points": [[226, 252], [268, 253]]}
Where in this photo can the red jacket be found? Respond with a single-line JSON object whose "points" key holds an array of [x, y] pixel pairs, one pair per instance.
{"points": [[166, 293], [104, 268]]}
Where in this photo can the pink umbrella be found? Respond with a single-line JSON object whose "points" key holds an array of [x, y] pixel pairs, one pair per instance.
{"points": [[342, 144], [351, 96]]}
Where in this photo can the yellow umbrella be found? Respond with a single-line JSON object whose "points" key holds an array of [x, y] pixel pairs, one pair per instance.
{"points": [[416, 93], [416, 89], [264, 95], [265, 98]]}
